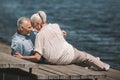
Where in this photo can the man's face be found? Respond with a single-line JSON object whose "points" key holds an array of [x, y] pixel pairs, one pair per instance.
{"points": [[27, 28]]}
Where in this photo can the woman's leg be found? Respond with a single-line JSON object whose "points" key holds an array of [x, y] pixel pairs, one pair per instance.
{"points": [[83, 57]]}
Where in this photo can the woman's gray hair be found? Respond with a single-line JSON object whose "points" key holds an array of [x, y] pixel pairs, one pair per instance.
{"points": [[21, 21], [39, 17]]}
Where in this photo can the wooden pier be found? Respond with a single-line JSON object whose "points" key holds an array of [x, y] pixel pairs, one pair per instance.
{"points": [[12, 68]]}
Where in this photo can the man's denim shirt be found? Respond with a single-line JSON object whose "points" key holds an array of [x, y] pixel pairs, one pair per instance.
{"points": [[23, 44]]}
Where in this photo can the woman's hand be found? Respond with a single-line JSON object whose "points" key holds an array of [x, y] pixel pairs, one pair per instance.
{"points": [[64, 33]]}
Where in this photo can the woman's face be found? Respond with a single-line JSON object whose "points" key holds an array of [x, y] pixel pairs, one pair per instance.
{"points": [[36, 26]]}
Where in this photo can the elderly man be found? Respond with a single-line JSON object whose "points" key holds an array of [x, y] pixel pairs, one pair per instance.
{"points": [[23, 40], [51, 44]]}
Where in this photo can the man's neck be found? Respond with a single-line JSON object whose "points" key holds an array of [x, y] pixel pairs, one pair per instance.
{"points": [[21, 33]]}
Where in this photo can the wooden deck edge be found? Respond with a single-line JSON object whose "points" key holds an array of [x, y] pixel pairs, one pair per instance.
{"points": [[8, 61]]}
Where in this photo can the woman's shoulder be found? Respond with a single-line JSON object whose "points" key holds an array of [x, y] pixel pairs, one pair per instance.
{"points": [[54, 24]]}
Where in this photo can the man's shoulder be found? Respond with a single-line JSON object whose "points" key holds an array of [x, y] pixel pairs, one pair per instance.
{"points": [[16, 38]]}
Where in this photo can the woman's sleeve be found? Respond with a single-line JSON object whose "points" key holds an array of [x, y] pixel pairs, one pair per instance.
{"points": [[39, 42]]}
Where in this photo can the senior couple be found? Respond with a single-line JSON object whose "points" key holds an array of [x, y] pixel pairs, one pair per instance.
{"points": [[35, 40]]}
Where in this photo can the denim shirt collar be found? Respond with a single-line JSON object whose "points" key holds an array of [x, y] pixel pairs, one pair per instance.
{"points": [[21, 36]]}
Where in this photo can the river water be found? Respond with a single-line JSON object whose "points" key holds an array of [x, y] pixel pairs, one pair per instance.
{"points": [[91, 25]]}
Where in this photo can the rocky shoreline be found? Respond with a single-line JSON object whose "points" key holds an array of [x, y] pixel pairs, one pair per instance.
{"points": [[5, 47]]}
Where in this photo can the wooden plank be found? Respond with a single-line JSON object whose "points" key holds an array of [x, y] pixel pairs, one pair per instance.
{"points": [[8, 61], [113, 74], [108, 78], [42, 74], [68, 73], [89, 73], [61, 75], [73, 72], [10, 76], [1, 75], [115, 71], [16, 74]]}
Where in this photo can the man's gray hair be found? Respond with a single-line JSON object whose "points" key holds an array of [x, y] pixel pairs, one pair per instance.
{"points": [[21, 21], [39, 17]]}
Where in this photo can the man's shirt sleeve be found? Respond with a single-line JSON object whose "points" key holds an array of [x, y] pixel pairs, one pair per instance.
{"points": [[16, 47]]}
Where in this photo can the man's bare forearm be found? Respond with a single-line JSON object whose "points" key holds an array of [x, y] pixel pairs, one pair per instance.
{"points": [[35, 58]]}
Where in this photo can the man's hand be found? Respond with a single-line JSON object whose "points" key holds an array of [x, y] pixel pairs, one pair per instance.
{"points": [[18, 55]]}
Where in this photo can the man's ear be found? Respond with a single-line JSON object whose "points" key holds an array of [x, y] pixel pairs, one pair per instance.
{"points": [[20, 28]]}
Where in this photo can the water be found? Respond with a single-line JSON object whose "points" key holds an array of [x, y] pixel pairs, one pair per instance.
{"points": [[91, 25]]}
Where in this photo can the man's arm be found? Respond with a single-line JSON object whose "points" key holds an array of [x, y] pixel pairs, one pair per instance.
{"points": [[35, 58], [16, 47]]}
